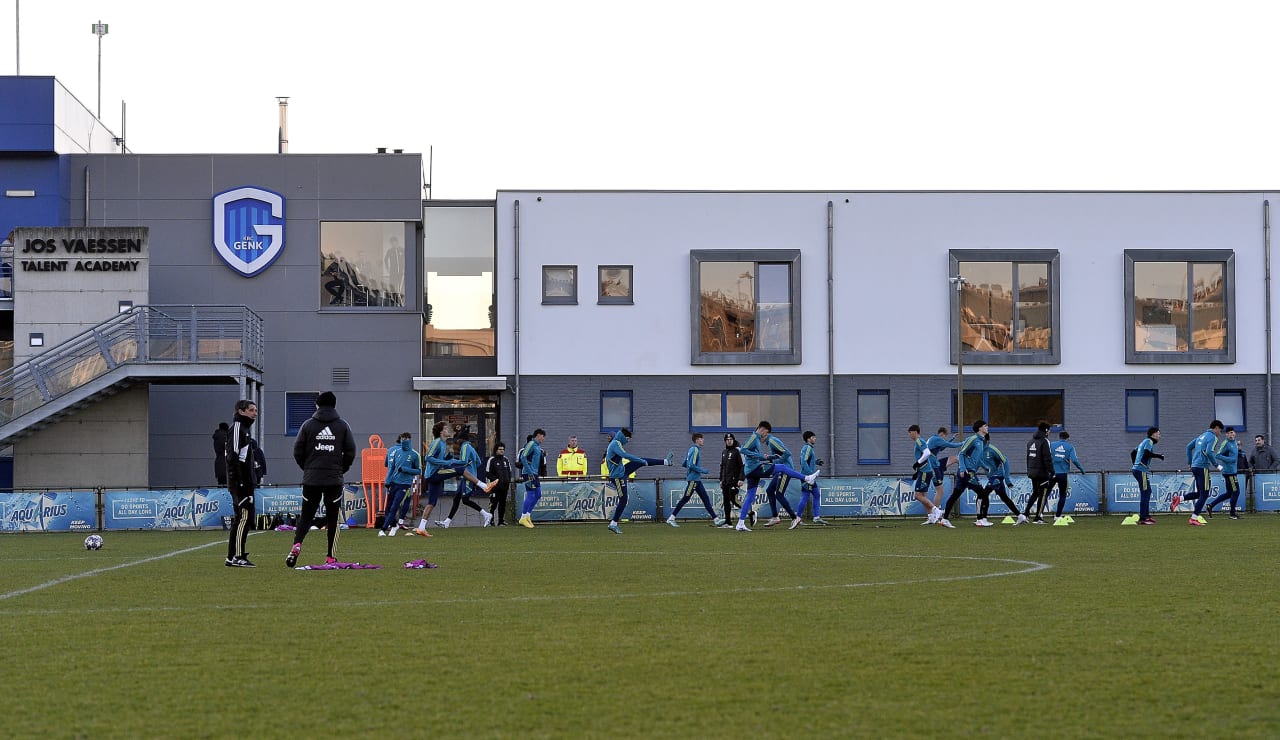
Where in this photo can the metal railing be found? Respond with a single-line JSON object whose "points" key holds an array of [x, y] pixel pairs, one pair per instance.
{"points": [[141, 335]]}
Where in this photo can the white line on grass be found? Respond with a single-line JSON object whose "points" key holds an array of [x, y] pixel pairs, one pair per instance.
{"points": [[1032, 567], [100, 571]]}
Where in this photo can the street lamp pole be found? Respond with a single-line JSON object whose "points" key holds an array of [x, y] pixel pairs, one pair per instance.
{"points": [[959, 282], [99, 29]]}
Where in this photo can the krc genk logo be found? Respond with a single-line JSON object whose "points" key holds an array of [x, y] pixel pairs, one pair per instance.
{"points": [[248, 228]]}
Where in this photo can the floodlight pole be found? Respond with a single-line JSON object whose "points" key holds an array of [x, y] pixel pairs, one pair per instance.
{"points": [[99, 29], [959, 282]]}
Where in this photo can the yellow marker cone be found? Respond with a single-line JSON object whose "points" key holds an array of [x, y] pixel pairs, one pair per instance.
{"points": [[1130, 521], [1062, 522], [1007, 520], [1069, 519]]}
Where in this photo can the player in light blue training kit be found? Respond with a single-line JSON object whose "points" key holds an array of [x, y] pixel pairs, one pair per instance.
{"points": [[757, 463], [530, 463], [997, 465], [936, 444], [782, 471], [972, 454], [1200, 458], [467, 453], [810, 465], [923, 465], [437, 467], [1228, 455], [622, 464], [1142, 456], [1063, 455], [693, 483]]}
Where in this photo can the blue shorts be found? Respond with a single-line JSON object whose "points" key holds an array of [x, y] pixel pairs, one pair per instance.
{"points": [[922, 478]]}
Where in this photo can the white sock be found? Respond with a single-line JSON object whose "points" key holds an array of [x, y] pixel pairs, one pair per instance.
{"points": [[422, 524]]}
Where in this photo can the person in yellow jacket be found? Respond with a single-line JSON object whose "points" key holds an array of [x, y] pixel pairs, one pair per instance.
{"points": [[572, 460], [604, 467]]}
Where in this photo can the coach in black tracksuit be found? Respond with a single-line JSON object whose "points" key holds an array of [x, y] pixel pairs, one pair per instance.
{"points": [[325, 449], [730, 475], [1039, 470], [240, 481]]}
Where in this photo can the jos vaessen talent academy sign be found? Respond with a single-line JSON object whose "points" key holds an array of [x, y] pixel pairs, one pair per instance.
{"points": [[80, 249]]}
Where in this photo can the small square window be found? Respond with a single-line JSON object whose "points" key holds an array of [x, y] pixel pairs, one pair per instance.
{"points": [[298, 407], [1141, 410], [1007, 306], [1228, 407], [873, 427], [615, 411], [560, 285], [615, 284], [125, 306], [36, 339], [1179, 306]]}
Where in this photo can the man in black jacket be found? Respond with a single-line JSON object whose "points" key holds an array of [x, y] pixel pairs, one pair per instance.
{"points": [[498, 468], [1039, 470], [730, 475], [238, 457], [325, 450]]}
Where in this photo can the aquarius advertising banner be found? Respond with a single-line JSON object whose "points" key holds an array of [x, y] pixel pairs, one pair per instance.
{"points": [[673, 491], [1266, 491], [48, 511], [592, 500], [172, 509], [1082, 496], [1123, 494]]}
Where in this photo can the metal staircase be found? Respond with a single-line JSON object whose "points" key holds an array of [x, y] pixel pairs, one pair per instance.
{"points": [[146, 344]]}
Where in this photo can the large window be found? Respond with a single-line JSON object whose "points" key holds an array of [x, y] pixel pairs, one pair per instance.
{"points": [[1179, 305], [362, 263], [1141, 410], [615, 411], [740, 411], [1007, 306], [873, 427], [458, 303], [748, 307], [1009, 411], [1228, 407]]}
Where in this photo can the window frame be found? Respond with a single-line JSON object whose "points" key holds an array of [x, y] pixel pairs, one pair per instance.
{"points": [[1154, 394], [631, 410], [860, 425], [964, 426], [1051, 257], [724, 412], [559, 300], [412, 244], [1244, 409], [628, 299], [1227, 257], [290, 430], [790, 257]]}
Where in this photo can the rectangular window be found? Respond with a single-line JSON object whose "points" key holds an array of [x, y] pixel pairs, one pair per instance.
{"points": [[615, 284], [362, 263], [560, 285], [1179, 305], [748, 307], [1007, 306], [1141, 410], [873, 427], [298, 407], [734, 411], [1010, 411], [615, 411], [1228, 407]]}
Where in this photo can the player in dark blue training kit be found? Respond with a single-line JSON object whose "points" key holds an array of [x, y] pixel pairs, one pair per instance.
{"points": [[530, 464], [923, 465], [1228, 455], [757, 457], [1200, 458], [1142, 456], [1063, 454]]}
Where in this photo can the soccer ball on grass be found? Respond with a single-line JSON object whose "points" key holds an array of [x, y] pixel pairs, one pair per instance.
{"points": [[93, 542]]}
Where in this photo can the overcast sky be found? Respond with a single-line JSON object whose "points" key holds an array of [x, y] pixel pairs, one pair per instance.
{"points": [[739, 95]]}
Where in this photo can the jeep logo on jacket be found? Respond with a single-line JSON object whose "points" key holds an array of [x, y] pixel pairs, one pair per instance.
{"points": [[325, 449]]}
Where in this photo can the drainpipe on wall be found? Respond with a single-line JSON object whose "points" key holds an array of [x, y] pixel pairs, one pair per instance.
{"points": [[515, 322], [86, 195], [1266, 282], [831, 337]]}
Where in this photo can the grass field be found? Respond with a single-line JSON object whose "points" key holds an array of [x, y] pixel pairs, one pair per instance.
{"points": [[869, 630]]}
